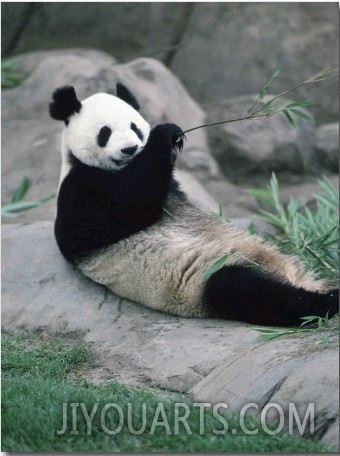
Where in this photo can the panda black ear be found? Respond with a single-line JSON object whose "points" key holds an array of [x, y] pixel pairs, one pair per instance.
{"points": [[64, 104], [124, 94]]}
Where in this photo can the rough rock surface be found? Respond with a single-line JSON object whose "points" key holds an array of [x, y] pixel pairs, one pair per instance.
{"points": [[218, 49], [123, 29], [327, 146], [210, 360], [231, 49], [196, 192], [258, 147]]}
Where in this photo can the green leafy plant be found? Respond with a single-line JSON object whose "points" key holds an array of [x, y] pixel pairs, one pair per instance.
{"points": [[325, 328], [11, 74], [312, 234], [17, 205], [218, 264]]}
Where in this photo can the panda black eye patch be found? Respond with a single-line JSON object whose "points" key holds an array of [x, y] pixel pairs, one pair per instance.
{"points": [[137, 131], [103, 136]]}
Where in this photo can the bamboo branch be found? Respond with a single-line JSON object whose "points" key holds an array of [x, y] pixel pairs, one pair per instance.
{"points": [[267, 109]]}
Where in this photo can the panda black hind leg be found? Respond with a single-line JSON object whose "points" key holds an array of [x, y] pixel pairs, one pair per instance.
{"points": [[252, 295]]}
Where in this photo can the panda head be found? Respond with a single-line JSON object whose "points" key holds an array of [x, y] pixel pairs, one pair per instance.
{"points": [[103, 131]]}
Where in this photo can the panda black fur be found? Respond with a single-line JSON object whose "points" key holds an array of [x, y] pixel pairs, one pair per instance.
{"points": [[124, 222]]}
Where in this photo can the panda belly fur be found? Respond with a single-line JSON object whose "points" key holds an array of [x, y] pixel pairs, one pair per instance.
{"points": [[131, 229], [162, 267]]}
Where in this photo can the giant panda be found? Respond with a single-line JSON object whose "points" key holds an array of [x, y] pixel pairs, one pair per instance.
{"points": [[124, 221]]}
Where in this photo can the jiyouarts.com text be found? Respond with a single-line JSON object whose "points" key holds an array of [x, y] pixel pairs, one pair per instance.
{"points": [[112, 418]]}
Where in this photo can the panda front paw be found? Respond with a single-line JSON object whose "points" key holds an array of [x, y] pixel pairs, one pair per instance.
{"points": [[175, 136], [170, 136]]}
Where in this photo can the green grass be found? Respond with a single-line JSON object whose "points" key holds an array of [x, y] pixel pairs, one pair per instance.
{"points": [[36, 382]]}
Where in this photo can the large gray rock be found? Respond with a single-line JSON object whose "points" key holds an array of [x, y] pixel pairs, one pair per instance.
{"points": [[211, 360], [327, 146], [123, 29], [218, 49], [231, 49], [196, 192], [259, 147]]}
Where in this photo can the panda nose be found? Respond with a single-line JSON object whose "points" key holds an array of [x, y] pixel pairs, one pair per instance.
{"points": [[129, 150]]}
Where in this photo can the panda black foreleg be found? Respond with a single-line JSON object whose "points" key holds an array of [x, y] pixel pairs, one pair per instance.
{"points": [[146, 182], [254, 296], [155, 163]]}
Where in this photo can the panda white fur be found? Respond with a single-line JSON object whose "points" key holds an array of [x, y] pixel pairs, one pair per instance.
{"points": [[124, 222]]}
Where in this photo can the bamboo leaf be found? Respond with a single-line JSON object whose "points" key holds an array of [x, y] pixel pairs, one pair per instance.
{"points": [[275, 220], [325, 199], [296, 104], [215, 266], [265, 89], [326, 73], [13, 208], [308, 320], [21, 191], [270, 334], [302, 114], [263, 196], [274, 191], [289, 118], [251, 228]]}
